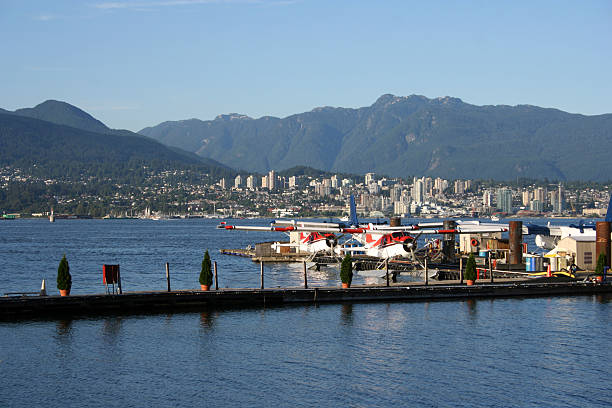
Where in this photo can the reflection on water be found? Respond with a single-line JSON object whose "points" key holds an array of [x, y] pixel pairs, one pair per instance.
{"points": [[347, 313], [206, 319], [515, 352]]}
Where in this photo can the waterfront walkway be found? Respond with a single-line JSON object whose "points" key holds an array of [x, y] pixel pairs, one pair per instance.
{"points": [[12, 307]]}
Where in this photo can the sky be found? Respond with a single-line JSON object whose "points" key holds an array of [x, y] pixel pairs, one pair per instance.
{"points": [[134, 64]]}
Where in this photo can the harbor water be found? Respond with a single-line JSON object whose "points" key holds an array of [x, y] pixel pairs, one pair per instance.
{"points": [[503, 352]]}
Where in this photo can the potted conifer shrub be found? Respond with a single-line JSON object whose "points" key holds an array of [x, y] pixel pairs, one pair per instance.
{"points": [[64, 279], [599, 269], [346, 271], [470, 270], [206, 275]]}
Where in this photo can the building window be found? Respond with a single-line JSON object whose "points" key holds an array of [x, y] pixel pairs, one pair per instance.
{"points": [[588, 258]]}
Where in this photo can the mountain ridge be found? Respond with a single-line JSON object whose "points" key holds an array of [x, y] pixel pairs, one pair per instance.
{"points": [[407, 135]]}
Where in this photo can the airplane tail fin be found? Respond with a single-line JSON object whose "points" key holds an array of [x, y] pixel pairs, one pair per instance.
{"points": [[609, 213], [354, 221]]}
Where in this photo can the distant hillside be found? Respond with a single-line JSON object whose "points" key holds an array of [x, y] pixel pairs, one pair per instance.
{"points": [[62, 113], [403, 136], [63, 151]]}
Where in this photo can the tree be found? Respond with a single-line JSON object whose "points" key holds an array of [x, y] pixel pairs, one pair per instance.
{"points": [[470, 268], [346, 270], [601, 263], [64, 279], [206, 275]]}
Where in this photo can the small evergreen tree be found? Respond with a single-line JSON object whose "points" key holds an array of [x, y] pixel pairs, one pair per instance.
{"points": [[601, 263], [206, 275], [64, 279], [346, 270], [470, 269]]}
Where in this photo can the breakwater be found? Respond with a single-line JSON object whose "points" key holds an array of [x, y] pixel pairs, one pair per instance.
{"points": [[144, 302]]}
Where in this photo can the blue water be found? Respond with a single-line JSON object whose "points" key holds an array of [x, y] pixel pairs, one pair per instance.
{"points": [[505, 352]]}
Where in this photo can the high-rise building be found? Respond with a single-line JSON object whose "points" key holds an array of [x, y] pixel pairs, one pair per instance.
{"points": [[417, 191], [292, 181], [334, 181], [238, 181], [369, 178], [504, 200], [487, 198], [264, 182], [459, 187], [271, 180], [250, 182], [526, 197]]}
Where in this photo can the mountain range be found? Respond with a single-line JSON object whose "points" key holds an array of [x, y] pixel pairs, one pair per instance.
{"points": [[406, 136], [396, 136]]}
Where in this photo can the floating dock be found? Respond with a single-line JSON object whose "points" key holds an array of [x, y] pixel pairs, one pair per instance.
{"points": [[192, 300]]}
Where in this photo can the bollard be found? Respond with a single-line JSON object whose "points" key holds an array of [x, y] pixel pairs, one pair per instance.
{"points": [[216, 276], [261, 266], [43, 288], [305, 277], [168, 275]]}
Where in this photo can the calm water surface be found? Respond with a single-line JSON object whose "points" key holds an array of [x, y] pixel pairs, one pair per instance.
{"points": [[504, 352]]}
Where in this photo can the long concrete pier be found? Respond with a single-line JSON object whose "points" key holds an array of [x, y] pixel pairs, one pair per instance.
{"points": [[154, 302]]}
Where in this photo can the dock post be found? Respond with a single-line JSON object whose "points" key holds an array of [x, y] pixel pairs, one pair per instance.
{"points": [[461, 270], [387, 270], [261, 268], [216, 276], [490, 267], [305, 277], [119, 280], [426, 273], [168, 275]]}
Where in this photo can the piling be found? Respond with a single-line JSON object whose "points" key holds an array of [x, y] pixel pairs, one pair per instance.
{"points": [[395, 221], [168, 275], [426, 272], [387, 270], [261, 267], [602, 240], [490, 267], [216, 276], [516, 238], [461, 271], [448, 242], [305, 276]]}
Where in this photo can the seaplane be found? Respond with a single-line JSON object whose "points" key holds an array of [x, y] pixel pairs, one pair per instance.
{"points": [[380, 241]]}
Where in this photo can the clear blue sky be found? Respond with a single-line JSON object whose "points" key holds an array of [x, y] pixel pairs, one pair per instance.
{"points": [[133, 64]]}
